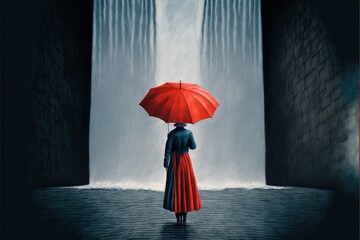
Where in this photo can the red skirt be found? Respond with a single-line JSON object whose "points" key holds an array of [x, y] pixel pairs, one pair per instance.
{"points": [[186, 194]]}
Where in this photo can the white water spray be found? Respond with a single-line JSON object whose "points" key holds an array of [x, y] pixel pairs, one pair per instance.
{"points": [[216, 44], [178, 46], [233, 141]]}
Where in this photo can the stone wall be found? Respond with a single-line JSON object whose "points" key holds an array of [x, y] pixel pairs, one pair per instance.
{"points": [[58, 105], [311, 93], [45, 103]]}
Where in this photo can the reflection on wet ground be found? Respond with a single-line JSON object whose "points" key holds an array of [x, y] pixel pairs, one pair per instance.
{"points": [[288, 213]]}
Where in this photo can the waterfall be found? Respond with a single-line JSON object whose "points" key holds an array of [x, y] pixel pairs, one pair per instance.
{"points": [[138, 44], [234, 141], [110, 30], [116, 28], [243, 27], [178, 40], [235, 25], [222, 31], [123, 47]]}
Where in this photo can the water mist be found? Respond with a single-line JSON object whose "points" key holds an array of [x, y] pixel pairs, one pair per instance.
{"points": [[141, 44]]}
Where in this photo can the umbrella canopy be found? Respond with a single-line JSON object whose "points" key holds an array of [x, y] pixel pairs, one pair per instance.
{"points": [[179, 103]]}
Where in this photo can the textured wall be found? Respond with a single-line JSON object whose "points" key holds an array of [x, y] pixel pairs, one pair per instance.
{"points": [[45, 102], [311, 93], [58, 105]]}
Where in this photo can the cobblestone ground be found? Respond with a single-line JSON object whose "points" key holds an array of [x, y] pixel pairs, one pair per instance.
{"points": [[76, 213]]}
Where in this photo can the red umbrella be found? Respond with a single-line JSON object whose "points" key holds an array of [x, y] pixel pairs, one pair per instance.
{"points": [[179, 103]]}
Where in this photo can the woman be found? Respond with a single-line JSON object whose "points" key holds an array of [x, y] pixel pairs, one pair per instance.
{"points": [[181, 192]]}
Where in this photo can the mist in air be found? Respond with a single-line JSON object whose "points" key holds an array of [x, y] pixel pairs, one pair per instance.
{"points": [[141, 44]]}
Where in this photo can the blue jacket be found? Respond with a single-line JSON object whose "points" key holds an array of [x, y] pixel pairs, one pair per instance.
{"points": [[179, 141]]}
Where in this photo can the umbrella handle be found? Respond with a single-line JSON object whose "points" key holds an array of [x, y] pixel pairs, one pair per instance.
{"points": [[168, 128]]}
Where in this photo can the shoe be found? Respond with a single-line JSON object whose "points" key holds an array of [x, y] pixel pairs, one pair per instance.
{"points": [[178, 218], [184, 215]]}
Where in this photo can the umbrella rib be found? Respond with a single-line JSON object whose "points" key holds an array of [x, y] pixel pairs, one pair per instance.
{"points": [[205, 94], [210, 100], [172, 105], [162, 95], [195, 97], [198, 95], [172, 108], [155, 93], [187, 105], [165, 99]]}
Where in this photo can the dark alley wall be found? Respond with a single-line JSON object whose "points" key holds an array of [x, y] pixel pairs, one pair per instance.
{"points": [[45, 102], [58, 105], [311, 92]]}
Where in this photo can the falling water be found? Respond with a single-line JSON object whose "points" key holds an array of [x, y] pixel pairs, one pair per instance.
{"points": [[178, 40], [215, 43], [122, 72], [234, 147]]}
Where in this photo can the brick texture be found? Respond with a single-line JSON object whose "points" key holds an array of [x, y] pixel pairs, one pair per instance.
{"points": [[59, 96], [307, 107]]}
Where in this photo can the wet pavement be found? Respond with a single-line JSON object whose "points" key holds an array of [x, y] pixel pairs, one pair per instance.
{"points": [[288, 213]]}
